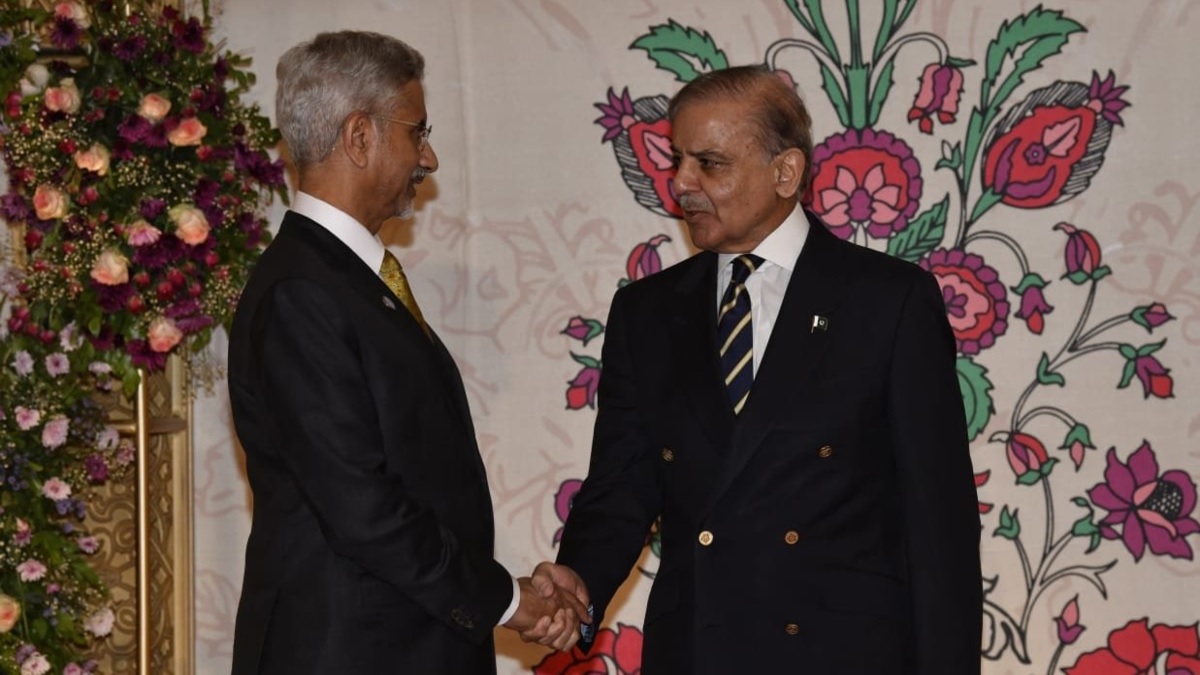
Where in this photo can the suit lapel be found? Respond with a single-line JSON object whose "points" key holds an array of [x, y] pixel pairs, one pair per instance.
{"points": [[796, 347], [693, 334]]}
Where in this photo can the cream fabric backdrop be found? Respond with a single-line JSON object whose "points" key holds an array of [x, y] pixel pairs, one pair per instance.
{"points": [[528, 223]]}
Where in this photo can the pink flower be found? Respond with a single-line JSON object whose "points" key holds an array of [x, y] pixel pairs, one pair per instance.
{"points": [[57, 364], [126, 452], [107, 439], [55, 489], [111, 268], [63, 98], [153, 107], [190, 224], [10, 611], [49, 203], [54, 434], [163, 334], [941, 86], [35, 664], [95, 159], [1069, 629], [100, 623], [189, 132], [31, 570], [27, 418], [88, 544], [24, 533], [22, 363], [583, 329], [141, 233], [73, 668], [73, 11]]}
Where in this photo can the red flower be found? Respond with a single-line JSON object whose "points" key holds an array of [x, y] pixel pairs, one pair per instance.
{"points": [[581, 391], [1082, 255], [865, 179], [941, 86], [616, 652], [980, 480], [641, 138], [644, 259], [976, 301], [1028, 458], [1069, 628], [1138, 649], [1034, 307], [1155, 377]]}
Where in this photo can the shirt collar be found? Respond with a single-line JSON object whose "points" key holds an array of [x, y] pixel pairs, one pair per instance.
{"points": [[342, 225], [782, 247]]}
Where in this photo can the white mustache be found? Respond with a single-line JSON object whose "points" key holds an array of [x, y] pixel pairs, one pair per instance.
{"points": [[418, 175], [693, 202]]}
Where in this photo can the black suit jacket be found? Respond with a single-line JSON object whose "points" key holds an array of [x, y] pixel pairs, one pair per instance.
{"points": [[832, 528], [371, 545]]}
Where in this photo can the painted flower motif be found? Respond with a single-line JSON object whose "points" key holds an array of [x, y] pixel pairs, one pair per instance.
{"points": [[1034, 307], [641, 138], [618, 114], [1082, 255], [941, 87], [1077, 442], [644, 259], [31, 570], [584, 330], [1140, 362], [1067, 623], [1146, 509], [56, 490], [54, 434], [581, 391], [1048, 147], [1150, 316], [614, 652], [57, 364], [976, 301], [865, 179], [1028, 458], [10, 611], [1139, 649], [562, 502]]}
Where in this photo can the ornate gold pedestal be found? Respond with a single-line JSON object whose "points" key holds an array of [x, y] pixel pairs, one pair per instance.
{"points": [[144, 523]]}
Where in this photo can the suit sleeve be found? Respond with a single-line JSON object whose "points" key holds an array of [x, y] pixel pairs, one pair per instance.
{"points": [[312, 385], [611, 516], [941, 517]]}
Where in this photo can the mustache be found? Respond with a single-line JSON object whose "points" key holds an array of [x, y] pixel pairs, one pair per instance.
{"points": [[419, 174], [694, 202]]}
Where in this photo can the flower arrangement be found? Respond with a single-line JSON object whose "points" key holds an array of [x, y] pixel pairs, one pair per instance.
{"points": [[138, 173], [138, 177]]}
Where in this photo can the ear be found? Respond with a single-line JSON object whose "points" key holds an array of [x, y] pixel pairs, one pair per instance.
{"points": [[789, 171], [357, 138]]}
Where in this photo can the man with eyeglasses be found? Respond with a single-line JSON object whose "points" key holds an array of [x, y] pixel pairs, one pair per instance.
{"points": [[371, 544]]}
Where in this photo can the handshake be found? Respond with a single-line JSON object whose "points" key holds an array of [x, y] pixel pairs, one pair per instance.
{"points": [[553, 609]]}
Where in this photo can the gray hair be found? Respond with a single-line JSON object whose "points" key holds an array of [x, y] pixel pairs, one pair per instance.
{"points": [[780, 116], [323, 81]]}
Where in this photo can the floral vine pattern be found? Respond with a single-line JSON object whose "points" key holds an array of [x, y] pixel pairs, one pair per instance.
{"points": [[1023, 151], [139, 178]]}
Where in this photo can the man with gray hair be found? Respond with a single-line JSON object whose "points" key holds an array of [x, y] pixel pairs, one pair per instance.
{"points": [[371, 544]]}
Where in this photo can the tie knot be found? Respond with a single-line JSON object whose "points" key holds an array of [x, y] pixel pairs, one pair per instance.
{"points": [[743, 266]]}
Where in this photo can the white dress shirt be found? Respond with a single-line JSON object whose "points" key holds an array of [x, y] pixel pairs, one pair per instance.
{"points": [[767, 284], [370, 250]]}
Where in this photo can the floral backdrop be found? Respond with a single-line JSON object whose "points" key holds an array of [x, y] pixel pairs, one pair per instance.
{"points": [[1037, 159]]}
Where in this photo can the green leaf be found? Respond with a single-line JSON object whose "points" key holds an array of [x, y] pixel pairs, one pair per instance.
{"points": [[683, 51], [1078, 434], [1010, 525], [1025, 41], [585, 360], [883, 85], [1127, 374], [1029, 478], [976, 391], [794, 5], [1128, 351], [922, 235], [1047, 376], [956, 62], [1033, 279], [1147, 350], [833, 88], [1101, 272], [130, 381], [987, 200], [951, 157], [1078, 277], [1047, 466]]}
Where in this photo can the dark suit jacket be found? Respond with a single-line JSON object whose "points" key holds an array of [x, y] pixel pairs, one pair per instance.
{"points": [[371, 546], [833, 528]]}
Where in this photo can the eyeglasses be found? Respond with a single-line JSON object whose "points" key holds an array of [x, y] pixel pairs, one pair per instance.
{"points": [[423, 130]]}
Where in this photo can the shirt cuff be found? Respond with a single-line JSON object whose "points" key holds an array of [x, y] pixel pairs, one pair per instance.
{"points": [[512, 606]]}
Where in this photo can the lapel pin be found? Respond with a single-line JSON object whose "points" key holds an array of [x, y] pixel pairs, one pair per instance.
{"points": [[819, 323], [387, 302]]}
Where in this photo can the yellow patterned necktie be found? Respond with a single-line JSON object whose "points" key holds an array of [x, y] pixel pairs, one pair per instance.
{"points": [[393, 275]]}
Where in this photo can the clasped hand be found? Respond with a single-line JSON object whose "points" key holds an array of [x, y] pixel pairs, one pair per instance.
{"points": [[553, 603]]}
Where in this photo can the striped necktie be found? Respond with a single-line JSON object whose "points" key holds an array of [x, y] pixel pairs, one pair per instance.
{"points": [[393, 275], [735, 334]]}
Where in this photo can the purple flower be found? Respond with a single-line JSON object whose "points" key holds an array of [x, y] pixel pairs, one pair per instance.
{"points": [[1149, 509], [130, 48], [581, 392], [618, 114], [142, 356], [583, 329], [1069, 629], [1104, 97], [1033, 303], [54, 434], [151, 208], [65, 34], [1082, 255], [189, 36], [14, 208], [97, 469], [644, 260], [562, 502], [1150, 316], [1155, 378], [57, 364], [941, 86], [88, 544], [134, 129], [112, 298], [976, 301], [22, 363], [865, 179]]}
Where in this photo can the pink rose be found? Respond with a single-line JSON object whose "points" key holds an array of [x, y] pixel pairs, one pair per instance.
{"points": [[64, 97], [111, 268], [73, 11], [190, 224], [94, 159], [154, 107], [163, 334], [100, 623], [188, 132], [141, 233], [10, 611], [49, 203]]}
